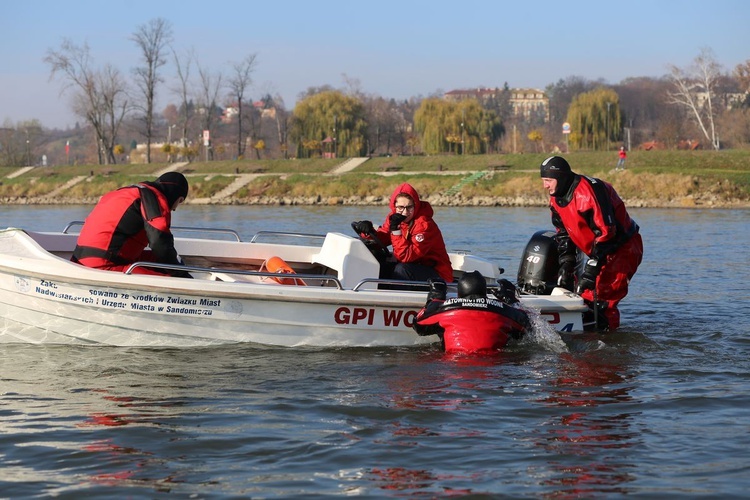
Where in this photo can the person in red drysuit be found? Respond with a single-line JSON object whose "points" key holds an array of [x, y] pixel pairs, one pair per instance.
{"points": [[590, 216], [125, 221], [472, 322], [418, 246]]}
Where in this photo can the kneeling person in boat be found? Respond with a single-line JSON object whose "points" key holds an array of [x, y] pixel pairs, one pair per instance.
{"points": [[125, 221], [472, 322], [418, 246]]}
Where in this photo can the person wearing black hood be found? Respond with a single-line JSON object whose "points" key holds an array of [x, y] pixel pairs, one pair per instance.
{"points": [[590, 216], [472, 322], [125, 221]]}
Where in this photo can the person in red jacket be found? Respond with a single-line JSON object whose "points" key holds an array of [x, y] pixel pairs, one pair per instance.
{"points": [[590, 216], [418, 246], [622, 156], [472, 322], [125, 221]]}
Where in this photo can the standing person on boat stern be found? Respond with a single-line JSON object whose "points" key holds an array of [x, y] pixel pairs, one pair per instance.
{"points": [[472, 322], [417, 242], [590, 216], [126, 220]]}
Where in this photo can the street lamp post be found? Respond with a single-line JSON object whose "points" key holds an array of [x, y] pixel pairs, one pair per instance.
{"points": [[335, 142], [608, 105], [463, 119], [169, 142]]}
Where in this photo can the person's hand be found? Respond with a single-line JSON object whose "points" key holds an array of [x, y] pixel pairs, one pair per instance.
{"points": [[505, 292], [565, 276], [363, 227], [438, 289], [588, 278], [394, 221]]}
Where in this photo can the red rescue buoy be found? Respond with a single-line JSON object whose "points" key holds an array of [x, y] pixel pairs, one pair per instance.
{"points": [[277, 265]]}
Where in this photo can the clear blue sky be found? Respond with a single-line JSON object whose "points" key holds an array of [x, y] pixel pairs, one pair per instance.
{"points": [[394, 49]]}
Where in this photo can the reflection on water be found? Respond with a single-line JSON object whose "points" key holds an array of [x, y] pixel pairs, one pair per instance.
{"points": [[587, 444]]}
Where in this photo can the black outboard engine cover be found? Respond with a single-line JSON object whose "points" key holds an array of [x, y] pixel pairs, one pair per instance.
{"points": [[537, 273]]}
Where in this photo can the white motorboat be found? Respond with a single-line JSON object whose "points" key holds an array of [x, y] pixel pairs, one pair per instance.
{"points": [[333, 299]]}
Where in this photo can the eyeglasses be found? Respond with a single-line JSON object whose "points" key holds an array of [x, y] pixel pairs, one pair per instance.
{"points": [[404, 208]]}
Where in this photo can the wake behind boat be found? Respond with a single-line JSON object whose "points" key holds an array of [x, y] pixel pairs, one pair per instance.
{"points": [[238, 294]]}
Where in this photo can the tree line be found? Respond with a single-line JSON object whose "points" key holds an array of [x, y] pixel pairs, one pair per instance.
{"points": [[212, 113]]}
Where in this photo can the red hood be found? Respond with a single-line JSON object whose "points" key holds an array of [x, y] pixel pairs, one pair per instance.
{"points": [[421, 208]]}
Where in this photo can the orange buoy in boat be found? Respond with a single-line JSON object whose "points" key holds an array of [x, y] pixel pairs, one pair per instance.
{"points": [[277, 265]]}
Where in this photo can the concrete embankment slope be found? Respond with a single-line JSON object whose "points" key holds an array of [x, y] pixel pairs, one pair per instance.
{"points": [[243, 180], [452, 196]]}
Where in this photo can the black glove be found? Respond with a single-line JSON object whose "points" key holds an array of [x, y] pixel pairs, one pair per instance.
{"points": [[363, 227], [438, 289], [565, 275], [587, 280], [395, 221], [178, 273], [505, 292]]}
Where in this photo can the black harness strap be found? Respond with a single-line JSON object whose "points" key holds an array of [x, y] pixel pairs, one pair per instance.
{"points": [[149, 202], [86, 252]]}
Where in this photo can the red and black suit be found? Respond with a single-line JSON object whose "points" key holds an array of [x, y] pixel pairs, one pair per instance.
{"points": [[590, 216], [120, 227], [472, 324]]}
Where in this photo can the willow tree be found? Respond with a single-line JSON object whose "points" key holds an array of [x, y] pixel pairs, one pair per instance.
{"points": [[429, 124], [595, 119], [464, 127], [333, 116]]}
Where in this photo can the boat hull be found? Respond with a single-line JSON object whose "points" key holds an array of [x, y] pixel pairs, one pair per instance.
{"points": [[46, 299], [44, 310]]}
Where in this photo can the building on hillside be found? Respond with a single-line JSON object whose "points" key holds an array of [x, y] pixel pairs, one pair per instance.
{"points": [[232, 110], [730, 100], [525, 103]]}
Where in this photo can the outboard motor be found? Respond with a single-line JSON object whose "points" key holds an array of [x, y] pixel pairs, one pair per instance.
{"points": [[537, 273]]}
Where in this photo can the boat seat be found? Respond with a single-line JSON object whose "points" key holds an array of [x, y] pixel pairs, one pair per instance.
{"points": [[349, 258], [239, 278], [462, 262]]}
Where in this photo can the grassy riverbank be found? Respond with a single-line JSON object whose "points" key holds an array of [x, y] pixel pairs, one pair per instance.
{"points": [[652, 178]]}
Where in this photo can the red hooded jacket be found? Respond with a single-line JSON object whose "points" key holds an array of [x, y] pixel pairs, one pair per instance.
{"points": [[421, 241]]}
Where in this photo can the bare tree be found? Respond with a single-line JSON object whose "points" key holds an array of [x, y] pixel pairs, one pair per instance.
{"points": [[695, 91], [100, 94], [183, 75], [151, 38], [282, 117], [385, 125], [352, 86], [238, 84], [208, 94]]}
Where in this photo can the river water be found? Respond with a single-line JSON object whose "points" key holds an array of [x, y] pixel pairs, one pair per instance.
{"points": [[661, 407]]}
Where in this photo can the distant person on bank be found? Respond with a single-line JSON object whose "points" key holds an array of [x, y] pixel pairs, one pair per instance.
{"points": [[623, 155], [418, 246], [125, 221], [590, 216]]}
